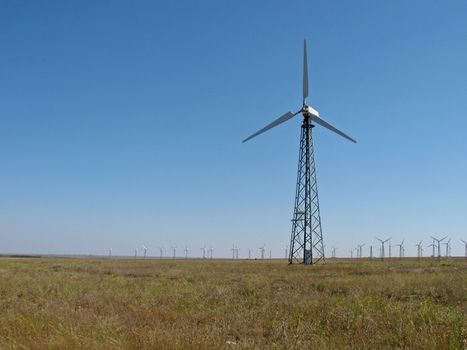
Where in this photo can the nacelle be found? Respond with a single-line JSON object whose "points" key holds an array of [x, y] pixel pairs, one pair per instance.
{"points": [[310, 111]]}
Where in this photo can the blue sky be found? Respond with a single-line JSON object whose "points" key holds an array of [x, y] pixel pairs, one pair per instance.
{"points": [[121, 123]]}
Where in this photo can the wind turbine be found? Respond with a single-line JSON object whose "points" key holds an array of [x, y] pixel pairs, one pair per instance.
{"points": [[145, 251], [186, 252], [175, 251], [389, 246], [382, 245], [439, 244], [249, 253], [161, 250], [401, 249], [434, 246], [211, 249], [262, 251], [371, 252], [465, 247], [306, 243], [448, 246], [286, 249], [419, 249], [233, 251], [360, 246], [333, 254], [110, 253], [204, 251], [136, 253]]}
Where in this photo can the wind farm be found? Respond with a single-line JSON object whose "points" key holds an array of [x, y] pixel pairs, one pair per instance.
{"points": [[150, 200], [245, 299]]}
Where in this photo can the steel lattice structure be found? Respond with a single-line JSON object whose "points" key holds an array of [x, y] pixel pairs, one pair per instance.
{"points": [[306, 241]]}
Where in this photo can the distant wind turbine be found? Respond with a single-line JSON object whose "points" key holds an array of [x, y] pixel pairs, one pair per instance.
{"points": [[211, 249], [360, 246], [439, 244], [419, 249], [262, 251], [204, 251], [433, 246], [382, 245], [333, 254], [401, 249], [465, 247], [448, 247], [161, 250]]}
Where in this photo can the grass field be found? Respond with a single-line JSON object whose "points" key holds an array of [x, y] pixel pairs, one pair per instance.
{"points": [[194, 304]]}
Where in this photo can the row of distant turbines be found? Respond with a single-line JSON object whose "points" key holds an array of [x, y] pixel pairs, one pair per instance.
{"points": [[207, 253], [436, 249], [357, 252]]}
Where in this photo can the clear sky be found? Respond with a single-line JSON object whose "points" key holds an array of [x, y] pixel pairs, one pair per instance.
{"points": [[121, 123]]}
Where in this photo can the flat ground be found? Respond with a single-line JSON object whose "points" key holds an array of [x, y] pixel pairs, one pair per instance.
{"points": [[194, 304]]}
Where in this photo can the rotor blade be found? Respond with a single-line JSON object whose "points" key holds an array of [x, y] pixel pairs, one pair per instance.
{"points": [[324, 123], [305, 73], [276, 122]]}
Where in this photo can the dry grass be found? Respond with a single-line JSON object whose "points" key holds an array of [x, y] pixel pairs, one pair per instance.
{"points": [[124, 304]]}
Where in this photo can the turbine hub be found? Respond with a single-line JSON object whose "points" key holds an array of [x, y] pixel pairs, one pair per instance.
{"points": [[309, 111]]}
